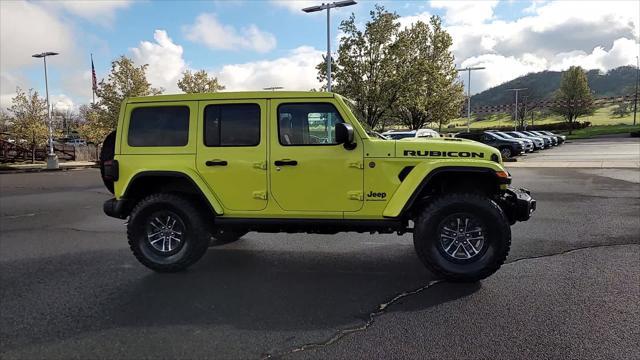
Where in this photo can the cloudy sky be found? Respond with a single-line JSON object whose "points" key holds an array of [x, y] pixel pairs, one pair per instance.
{"points": [[254, 44]]}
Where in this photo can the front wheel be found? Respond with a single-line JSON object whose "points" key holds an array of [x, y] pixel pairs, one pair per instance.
{"points": [[462, 237], [167, 233], [506, 152]]}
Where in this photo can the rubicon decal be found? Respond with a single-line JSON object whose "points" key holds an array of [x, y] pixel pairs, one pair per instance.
{"points": [[450, 154]]}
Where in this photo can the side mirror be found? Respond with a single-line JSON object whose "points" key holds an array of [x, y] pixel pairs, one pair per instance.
{"points": [[344, 135]]}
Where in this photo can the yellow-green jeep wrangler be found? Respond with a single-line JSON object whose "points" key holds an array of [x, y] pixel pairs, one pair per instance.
{"points": [[188, 170]]}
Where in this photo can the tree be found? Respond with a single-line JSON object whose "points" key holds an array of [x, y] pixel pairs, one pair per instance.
{"points": [[125, 80], [198, 82], [432, 93], [368, 68], [574, 98], [93, 127], [29, 120], [623, 108]]}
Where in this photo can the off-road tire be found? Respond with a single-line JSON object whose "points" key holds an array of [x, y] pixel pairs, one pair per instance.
{"points": [[196, 232], [426, 237], [221, 237], [107, 152]]}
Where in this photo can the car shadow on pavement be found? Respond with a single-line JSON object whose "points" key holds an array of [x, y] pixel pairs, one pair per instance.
{"points": [[244, 290]]}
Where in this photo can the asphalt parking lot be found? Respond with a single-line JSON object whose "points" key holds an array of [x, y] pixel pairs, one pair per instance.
{"points": [[70, 288]]}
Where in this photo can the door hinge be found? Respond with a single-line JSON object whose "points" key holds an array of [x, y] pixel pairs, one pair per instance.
{"points": [[262, 195], [357, 165], [260, 165], [355, 195]]}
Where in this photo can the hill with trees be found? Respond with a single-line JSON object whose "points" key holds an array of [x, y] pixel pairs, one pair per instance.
{"points": [[542, 85]]}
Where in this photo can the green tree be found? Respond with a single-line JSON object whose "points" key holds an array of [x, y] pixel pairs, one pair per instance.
{"points": [[29, 123], [574, 98], [199, 82], [623, 108], [368, 68], [124, 80], [432, 92], [92, 126]]}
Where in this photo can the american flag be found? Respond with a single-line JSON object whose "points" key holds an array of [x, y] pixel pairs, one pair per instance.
{"points": [[93, 76]]}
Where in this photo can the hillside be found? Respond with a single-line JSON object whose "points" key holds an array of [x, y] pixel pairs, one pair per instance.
{"points": [[542, 85]]}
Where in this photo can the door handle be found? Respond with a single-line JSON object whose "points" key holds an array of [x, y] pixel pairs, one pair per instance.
{"points": [[216, 163], [286, 163]]}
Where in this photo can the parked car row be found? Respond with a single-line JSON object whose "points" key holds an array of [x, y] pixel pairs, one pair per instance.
{"points": [[513, 143]]}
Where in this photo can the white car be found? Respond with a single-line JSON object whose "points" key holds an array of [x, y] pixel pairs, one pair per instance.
{"points": [[420, 133]]}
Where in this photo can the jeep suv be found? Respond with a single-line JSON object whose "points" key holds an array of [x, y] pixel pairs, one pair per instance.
{"points": [[194, 169]]}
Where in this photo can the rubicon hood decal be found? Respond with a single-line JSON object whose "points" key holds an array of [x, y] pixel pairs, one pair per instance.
{"points": [[443, 154]]}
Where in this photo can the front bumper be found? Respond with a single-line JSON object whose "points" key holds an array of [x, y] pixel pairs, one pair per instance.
{"points": [[517, 204]]}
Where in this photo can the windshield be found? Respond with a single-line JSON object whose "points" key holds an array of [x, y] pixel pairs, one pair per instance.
{"points": [[505, 135], [360, 117]]}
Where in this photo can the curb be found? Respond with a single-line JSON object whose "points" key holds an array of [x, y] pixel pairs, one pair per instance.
{"points": [[37, 170]]}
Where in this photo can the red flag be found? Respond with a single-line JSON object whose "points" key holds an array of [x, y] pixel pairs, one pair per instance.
{"points": [[93, 75]]}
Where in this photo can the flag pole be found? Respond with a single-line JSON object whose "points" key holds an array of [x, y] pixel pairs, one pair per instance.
{"points": [[93, 83]]}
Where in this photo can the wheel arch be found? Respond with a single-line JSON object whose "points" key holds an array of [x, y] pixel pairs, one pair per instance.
{"points": [[147, 182], [425, 179]]}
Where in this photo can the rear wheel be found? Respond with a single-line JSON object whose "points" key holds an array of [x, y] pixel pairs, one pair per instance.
{"points": [[167, 233], [462, 237]]}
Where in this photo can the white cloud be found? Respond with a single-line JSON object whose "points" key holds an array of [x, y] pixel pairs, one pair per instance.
{"points": [[26, 29], [165, 60], [622, 53], [215, 35], [295, 5], [100, 11], [62, 103], [406, 21], [296, 71], [466, 12], [548, 35]]}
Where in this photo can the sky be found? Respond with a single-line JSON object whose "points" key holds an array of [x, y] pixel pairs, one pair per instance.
{"points": [[253, 44]]}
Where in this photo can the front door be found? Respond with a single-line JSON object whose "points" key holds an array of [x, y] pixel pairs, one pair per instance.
{"points": [[309, 171], [232, 152]]}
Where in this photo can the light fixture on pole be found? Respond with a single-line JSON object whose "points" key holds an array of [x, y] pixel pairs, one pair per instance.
{"points": [[52, 159], [273, 88], [328, 6], [515, 124], [469, 69]]}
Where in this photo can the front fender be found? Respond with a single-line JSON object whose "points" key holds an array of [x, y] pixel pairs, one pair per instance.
{"points": [[420, 175]]}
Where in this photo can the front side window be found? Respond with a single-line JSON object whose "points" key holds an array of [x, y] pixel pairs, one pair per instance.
{"points": [[232, 125], [159, 126], [307, 123]]}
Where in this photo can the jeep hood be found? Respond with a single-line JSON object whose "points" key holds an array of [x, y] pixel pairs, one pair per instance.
{"points": [[445, 148]]}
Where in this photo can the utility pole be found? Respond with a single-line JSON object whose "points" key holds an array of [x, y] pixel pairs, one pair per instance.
{"points": [[635, 101], [515, 126], [52, 159], [468, 69], [328, 6]]}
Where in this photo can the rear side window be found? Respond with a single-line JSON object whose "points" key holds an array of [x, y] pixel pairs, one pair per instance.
{"points": [[159, 126], [232, 125]]}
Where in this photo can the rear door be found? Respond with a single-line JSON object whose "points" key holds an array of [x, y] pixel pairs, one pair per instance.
{"points": [[232, 152]]}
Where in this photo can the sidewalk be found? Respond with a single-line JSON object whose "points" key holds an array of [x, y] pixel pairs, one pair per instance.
{"points": [[68, 165]]}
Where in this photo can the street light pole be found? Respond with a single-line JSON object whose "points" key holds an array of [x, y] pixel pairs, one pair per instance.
{"points": [[515, 123], [468, 69], [52, 159], [328, 6]]}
